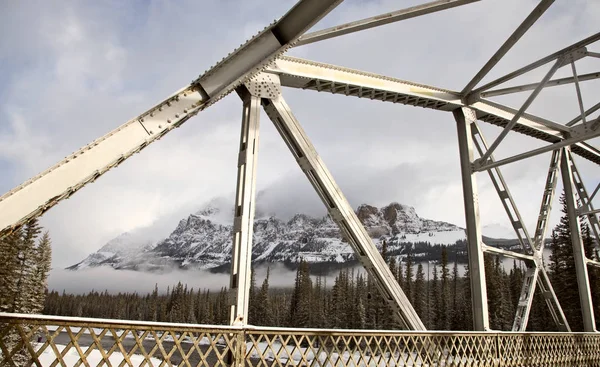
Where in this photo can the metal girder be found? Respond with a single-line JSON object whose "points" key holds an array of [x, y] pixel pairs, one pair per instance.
{"points": [[585, 200], [522, 110], [507, 253], [593, 262], [576, 51], [382, 19], [532, 277], [588, 112], [593, 131], [305, 74], [593, 54], [532, 86], [243, 222], [578, 90], [310, 75], [508, 44], [34, 197], [465, 117], [340, 210], [547, 199], [503, 192], [587, 311]]}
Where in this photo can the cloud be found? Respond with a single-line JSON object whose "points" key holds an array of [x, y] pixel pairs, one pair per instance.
{"points": [[78, 71]]}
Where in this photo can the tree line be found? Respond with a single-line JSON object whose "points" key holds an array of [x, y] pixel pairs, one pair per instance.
{"points": [[352, 301]]}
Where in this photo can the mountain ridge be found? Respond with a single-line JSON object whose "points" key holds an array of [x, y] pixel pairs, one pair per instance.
{"points": [[203, 240]]}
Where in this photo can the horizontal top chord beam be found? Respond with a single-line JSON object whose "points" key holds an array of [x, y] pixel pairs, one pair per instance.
{"points": [[321, 77]]}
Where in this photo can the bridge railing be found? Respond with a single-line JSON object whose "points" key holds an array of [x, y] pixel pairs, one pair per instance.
{"points": [[37, 340]]}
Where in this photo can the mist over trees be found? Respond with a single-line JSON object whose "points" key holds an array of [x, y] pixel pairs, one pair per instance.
{"points": [[443, 301]]}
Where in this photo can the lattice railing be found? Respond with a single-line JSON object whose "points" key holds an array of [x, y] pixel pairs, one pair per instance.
{"points": [[27, 340]]}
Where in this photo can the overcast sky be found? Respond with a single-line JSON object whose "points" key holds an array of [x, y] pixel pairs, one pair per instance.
{"points": [[71, 72]]}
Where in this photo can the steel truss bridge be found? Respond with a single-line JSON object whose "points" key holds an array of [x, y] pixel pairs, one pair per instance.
{"points": [[257, 71]]}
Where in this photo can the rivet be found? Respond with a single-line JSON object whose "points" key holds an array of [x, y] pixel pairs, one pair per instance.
{"points": [[176, 115], [169, 103], [169, 121], [151, 132], [160, 126]]}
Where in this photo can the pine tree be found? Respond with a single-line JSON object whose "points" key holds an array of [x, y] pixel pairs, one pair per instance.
{"points": [[24, 288], [436, 301], [445, 292], [408, 278], [252, 301], [457, 320], [419, 295], [43, 261], [263, 303], [9, 252], [468, 302], [300, 305]]}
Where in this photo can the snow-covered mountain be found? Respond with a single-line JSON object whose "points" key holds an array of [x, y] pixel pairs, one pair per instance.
{"points": [[204, 239], [124, 246]]}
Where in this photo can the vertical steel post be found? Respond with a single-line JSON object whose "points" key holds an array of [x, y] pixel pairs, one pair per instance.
{"points": [[464, 118], [587, 311], [244, 208]]}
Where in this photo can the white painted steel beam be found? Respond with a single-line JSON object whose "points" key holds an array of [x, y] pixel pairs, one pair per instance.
{"points": [[522, 110], [589, 212], [588, 112], [532, 86], [310, 75], [593, 132], [508, 44], [593, 54], [507, 253], [587, 311], [379, 20], [340, 210], [245, 197], [35, 196], [578, 90], [595, 192], [465, 117], [510, 207], [576, 51], [541, 226]]}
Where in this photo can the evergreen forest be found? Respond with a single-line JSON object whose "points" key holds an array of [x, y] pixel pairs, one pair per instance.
{"points": [[352, 302]]}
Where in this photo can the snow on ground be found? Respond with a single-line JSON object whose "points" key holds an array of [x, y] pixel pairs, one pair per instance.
{"points": [[94, 358], [292, 355]]}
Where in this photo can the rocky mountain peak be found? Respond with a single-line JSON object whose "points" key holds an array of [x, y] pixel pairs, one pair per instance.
{"points": [[402, 218], [204, 239]]}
